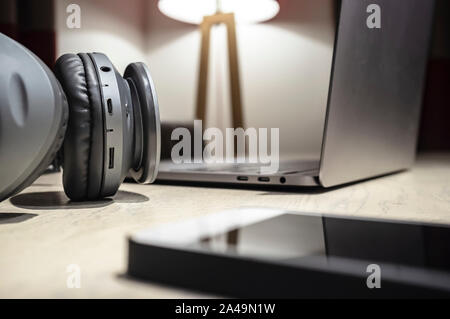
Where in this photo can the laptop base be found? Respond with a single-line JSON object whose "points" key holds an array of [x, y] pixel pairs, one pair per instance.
{"points": [[298, 173]]}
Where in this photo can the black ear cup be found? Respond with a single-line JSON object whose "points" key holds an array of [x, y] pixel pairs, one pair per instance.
{"points": [[83, 146], [113, 128]]}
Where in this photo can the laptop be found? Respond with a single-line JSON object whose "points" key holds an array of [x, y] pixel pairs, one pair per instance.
{"points": [[373, 106]]}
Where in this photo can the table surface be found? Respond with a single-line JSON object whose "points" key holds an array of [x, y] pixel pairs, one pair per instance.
{"points": [[42, 233]]}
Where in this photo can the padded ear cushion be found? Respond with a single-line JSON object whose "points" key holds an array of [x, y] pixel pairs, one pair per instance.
{"points": [[83, 145], [96, 158]]}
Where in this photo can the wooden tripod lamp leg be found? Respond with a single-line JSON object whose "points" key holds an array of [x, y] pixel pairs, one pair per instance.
{"points": [[237, 116], [205, 28]]}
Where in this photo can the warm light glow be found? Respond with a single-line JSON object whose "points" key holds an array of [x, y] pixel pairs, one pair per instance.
{"points": [[193, 11]]}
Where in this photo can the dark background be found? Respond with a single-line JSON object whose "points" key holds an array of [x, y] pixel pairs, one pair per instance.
{"points": [[31, 23]]}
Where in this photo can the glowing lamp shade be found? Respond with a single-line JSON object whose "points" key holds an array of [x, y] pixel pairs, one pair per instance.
{"points": [[193, 11]]}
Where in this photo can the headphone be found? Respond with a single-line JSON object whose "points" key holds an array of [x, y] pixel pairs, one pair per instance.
{"points": [[107, 124]]}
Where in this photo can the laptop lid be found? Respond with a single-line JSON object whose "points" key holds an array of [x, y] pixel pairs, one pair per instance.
{"points": [[375, 97]]}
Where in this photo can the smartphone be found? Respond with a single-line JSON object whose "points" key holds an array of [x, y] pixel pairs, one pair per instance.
{"points": [[270, 253]]}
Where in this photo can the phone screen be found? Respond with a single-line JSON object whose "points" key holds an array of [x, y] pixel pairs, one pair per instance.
{"points": [[290, 236]]}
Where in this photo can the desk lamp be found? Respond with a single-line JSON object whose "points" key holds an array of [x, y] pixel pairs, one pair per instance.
{"points": [[208, 13]]}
